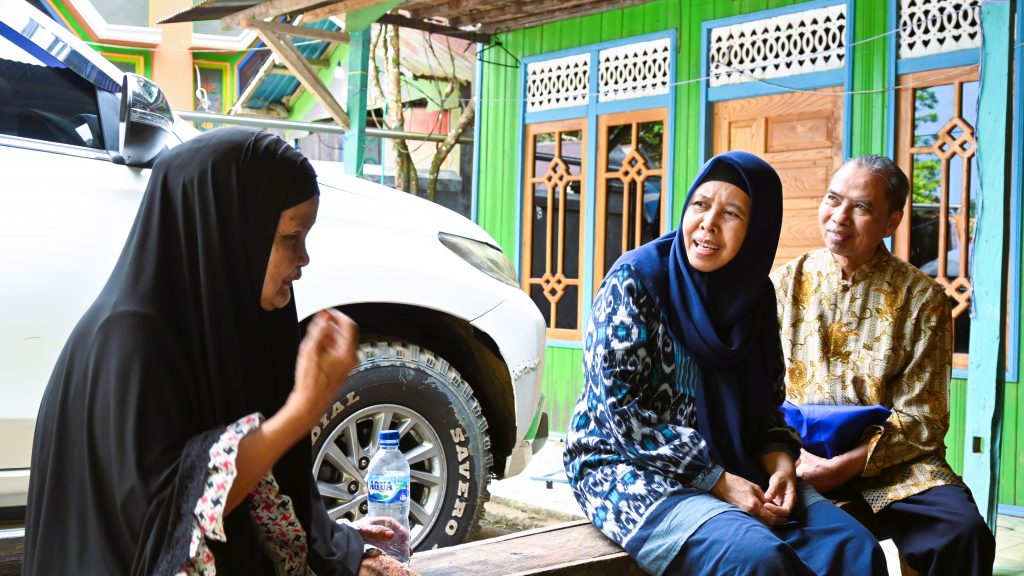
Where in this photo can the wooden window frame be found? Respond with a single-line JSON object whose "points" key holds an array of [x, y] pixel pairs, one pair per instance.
{"points": [[555, 268], [603, 177], [905, 152]]}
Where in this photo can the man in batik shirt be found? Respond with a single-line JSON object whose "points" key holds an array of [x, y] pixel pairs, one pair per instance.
{"points": [[862, 327]]}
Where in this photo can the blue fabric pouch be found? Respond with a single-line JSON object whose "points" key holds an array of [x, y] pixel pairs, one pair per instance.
{"points": [[830, 429]]}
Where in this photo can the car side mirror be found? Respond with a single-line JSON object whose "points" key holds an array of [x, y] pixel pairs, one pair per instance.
{"points": [[144, 121]]}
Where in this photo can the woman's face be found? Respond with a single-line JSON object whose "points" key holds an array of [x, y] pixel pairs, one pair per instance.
{"points": [[714, 225], [288, 255]]}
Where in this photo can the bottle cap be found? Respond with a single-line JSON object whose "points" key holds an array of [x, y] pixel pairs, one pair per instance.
{"points": [[389, 438]]}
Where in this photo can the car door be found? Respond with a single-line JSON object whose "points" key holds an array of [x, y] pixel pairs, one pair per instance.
{"points": [[66, 209]]}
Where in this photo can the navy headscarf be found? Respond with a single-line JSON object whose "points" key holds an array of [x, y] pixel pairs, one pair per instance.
{"points": [[726, 319]]}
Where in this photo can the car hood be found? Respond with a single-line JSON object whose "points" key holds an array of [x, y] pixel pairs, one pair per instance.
{"points": [[390, 208]]}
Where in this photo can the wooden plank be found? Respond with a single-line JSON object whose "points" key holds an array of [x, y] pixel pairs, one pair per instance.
{"points": [[432, 28], [555, 13], [297, 31], [494, 15], [269, 9], [987, 369], [314, 63], [339, 8], [286, 52], [570, 549]]}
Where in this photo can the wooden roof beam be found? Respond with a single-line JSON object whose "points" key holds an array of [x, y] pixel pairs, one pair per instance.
{"points": [[432, 28], [298, 31], [269, 9], [467, 12], [336, 8], [314, 63], [551, 13], [290, 57]]}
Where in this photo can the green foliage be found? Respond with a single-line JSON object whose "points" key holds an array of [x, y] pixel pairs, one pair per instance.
{"points": [[927, 175], [927, 169]]}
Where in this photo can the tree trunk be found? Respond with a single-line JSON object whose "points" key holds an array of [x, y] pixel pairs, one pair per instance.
{"points": [[405, 171], [446, 147]]}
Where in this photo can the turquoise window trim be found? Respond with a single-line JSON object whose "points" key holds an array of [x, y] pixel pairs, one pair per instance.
{"points": [[591, 112], [936, 61], [754, 88]]}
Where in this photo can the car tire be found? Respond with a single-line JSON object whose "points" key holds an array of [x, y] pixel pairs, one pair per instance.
{"points": [[401, 386]]}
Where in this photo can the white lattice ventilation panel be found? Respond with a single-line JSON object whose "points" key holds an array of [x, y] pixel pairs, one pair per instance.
{"points": [[558, 83], [635, 70], [930, 27], [808, 41]]}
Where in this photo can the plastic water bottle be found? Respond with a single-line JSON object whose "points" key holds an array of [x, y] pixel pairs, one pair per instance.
{"points": [[387, 485]]}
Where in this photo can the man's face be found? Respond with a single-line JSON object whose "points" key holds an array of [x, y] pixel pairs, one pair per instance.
{"points": [[855, 215]]}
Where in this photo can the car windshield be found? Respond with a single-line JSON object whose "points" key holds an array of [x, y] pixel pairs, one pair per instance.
{"points": [[45, 100]]}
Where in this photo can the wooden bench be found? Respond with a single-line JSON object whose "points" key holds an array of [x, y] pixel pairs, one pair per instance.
{"points": [[571, 549]]}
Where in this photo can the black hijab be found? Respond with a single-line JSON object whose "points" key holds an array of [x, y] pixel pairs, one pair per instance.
{"points": [[726, 319], [174, 349]]}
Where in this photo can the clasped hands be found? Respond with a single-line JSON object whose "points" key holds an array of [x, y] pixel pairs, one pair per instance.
{"points": [[772, 506]]}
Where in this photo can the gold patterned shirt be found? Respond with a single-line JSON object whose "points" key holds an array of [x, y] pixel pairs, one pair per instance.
{"points": [[884, 336]]}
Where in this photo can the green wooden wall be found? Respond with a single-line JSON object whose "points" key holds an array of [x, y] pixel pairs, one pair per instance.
{"points": [[868, 108]]}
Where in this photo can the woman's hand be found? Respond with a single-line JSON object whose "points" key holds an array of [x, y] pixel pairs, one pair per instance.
{"points": [[780, 498], [327, 354], [746, 496], [383, 532], [383, 565]]}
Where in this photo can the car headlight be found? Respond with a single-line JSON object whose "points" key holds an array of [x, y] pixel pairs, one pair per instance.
{"points": [[482, 256]]}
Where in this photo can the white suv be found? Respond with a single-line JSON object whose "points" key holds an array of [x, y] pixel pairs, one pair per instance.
{"points": [[453, 349]]}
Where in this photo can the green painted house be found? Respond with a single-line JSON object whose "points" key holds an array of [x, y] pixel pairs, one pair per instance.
{"points": [[591, 129]]}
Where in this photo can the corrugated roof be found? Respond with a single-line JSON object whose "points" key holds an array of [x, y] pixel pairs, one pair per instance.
{"points": [[487, 16], [209, 10], [274, 87]]}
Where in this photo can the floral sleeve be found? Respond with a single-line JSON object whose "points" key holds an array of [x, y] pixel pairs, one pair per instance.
{"points": [[281, 535]]}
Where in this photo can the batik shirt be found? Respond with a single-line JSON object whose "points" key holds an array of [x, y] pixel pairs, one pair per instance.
{"points": [[884, 336], [634, 458]]}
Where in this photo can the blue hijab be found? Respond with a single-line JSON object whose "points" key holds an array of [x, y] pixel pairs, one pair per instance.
{"points": [[726, 320]]}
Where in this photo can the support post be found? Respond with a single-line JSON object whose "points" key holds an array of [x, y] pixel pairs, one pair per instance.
{"points": [[987, 368], [285, 50], [358, 83]]}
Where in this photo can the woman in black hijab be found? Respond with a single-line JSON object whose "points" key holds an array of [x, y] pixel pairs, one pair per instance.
{"points": [[150, 433]]}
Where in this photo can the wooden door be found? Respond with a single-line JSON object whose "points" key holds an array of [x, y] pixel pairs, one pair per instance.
{"points": [[800, 135]]}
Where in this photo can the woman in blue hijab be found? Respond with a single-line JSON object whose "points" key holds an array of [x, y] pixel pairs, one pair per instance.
{"points": [[677, 449]]}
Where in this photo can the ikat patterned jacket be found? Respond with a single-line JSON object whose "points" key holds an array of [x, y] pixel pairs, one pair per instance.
{"points": [[882, 337], [634, 458]]}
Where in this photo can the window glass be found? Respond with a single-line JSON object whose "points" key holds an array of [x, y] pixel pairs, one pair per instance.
{"points": [[944, 191], [45, 103]]}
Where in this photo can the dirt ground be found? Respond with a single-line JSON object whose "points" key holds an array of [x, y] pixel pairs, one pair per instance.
{"points": [[503, 516]]}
